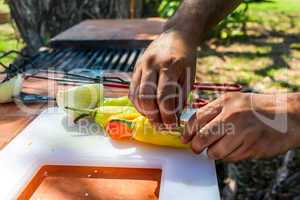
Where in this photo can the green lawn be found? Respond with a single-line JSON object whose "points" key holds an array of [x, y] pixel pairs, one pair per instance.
{"points": [[267, 59], [9, 39], [287, 6], [3, 7]]}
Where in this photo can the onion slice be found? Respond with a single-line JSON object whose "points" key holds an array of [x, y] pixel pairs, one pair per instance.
{"points": [[10, 89]]}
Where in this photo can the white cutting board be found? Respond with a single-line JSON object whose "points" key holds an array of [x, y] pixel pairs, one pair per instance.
{"points": [[49, 139]]}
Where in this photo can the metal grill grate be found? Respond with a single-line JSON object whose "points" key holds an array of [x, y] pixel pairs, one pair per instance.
{"points": [[67, 59]]}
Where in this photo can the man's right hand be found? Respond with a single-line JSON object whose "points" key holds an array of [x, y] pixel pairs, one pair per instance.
{"points": [[164, 74], [163, 78]]}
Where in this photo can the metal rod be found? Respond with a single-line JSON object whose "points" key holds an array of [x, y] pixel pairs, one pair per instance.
{"points": [[217, 87], [11, 52]]}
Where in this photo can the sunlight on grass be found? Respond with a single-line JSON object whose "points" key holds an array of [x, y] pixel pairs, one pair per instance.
{"points": [[260, 60], [3, 7], [9, 40], [288, 6]]}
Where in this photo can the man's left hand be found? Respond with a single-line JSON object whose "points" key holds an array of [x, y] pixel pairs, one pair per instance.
{"points": [[234, 127]]}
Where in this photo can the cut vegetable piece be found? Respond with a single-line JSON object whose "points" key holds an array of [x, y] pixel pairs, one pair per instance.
{"points": [[144, 132], [102, 114], [120, 101], [119, 129], [85, 96], [128, 116], [10, 89]]}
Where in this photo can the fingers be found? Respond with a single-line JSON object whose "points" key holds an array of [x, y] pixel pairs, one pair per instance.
{"points": [[256, 147], [203, 116], [240, 153], [147, 96], [166, 99], [237, 147], [208, 135], [134, 88], [186, 81], [224, 147], [154, 94]]}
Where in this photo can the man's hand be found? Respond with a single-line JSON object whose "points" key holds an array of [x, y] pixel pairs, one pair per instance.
{"points": [[164, 74], [240, 126], [163, 77]]}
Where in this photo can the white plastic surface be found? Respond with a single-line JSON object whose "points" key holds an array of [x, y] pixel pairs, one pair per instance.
{"points": [[50, 140]]}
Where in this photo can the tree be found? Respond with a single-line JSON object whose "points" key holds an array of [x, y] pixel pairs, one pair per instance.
{"points": [[40, 20]]}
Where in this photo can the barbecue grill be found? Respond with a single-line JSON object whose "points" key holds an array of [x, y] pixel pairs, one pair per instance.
{"points": [[68, 59], [94, 49], [96, 45], [89, 51]]}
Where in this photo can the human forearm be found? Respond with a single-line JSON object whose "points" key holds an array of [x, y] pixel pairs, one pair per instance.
{"points": [[170, 61], [240, 126], [280, 113], [195, 17]]}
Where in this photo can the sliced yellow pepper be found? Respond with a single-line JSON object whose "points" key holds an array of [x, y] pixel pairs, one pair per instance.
{"points": [[143, 131], [119, 127], [125, 122], [103, 114]]}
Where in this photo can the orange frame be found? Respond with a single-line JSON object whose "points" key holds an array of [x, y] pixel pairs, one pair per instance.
{"points": [[129, 183]]}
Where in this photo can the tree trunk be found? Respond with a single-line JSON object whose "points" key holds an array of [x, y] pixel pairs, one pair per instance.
{"points": [[40, 20]]}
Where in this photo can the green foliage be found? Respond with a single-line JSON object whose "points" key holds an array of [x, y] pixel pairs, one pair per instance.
{"points": [[8, 38], [3, 7], [168, 7], [232, 25]]}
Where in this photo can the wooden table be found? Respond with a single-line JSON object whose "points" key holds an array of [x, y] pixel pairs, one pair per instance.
{"points": [[116, 33], [63, 184], [14, 117]]}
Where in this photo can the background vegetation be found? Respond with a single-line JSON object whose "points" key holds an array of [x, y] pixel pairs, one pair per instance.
{"points": [[258, 45], [9, 38], [265, 56]]}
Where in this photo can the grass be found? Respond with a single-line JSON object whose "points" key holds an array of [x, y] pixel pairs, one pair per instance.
{"points": [[288, 6], [9, 39], [3, 7], [267, 59]]}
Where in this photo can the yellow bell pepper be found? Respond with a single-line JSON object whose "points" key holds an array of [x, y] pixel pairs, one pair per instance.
{"points": [[138, 127], [125, 122], [143, 131]]}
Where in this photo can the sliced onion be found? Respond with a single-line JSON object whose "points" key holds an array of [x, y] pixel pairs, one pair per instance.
{"points": [[80, 97], [10, 89]]}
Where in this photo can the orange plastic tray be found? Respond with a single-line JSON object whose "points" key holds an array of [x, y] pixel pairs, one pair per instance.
{"points": [[81, 182]]}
